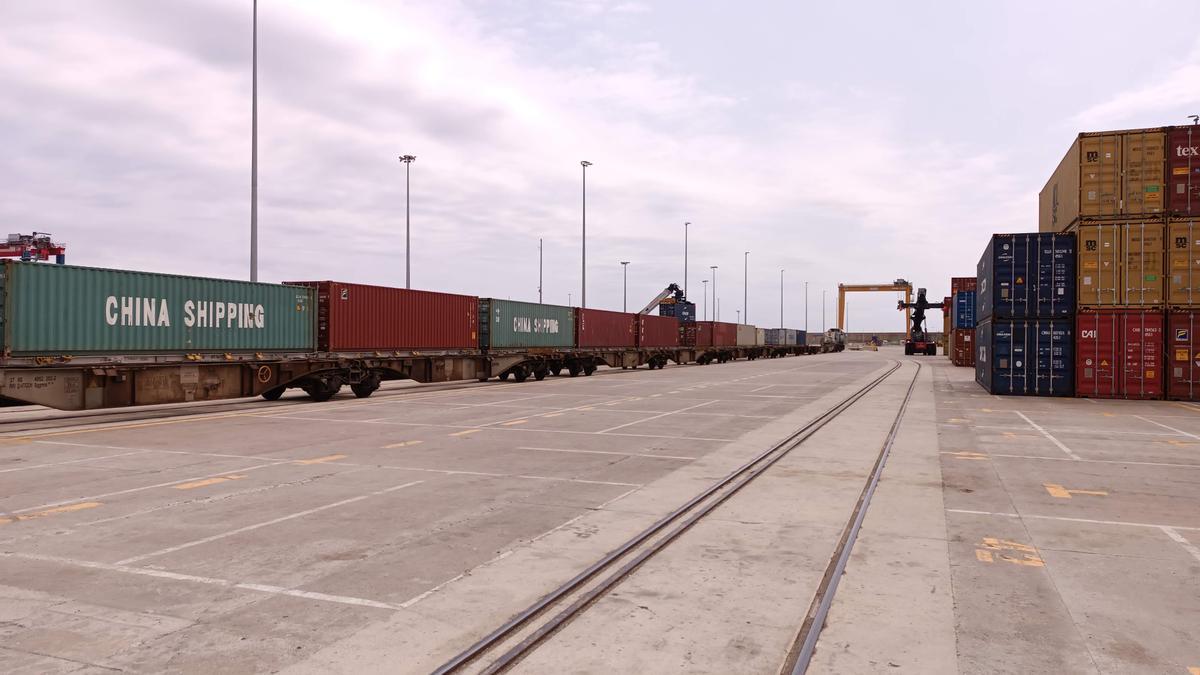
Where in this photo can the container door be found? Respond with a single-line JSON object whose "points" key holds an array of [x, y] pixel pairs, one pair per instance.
{"points": [[1099, 268], [1183, 260], [1144, 164], [1099, 175], [1143, 253], [1183, 169], [1098, 355], [1055, 353], [1184, 356], [1143, 340]]}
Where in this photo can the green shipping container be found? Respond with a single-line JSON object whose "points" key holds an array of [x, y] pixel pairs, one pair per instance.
{"points": [[505, 324], [60, 309]]}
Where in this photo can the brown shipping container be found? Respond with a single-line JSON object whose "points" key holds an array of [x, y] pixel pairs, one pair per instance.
{"points": [[946, 336], [962, 347], [1183, 355], [1183, 170], [1118, 354], [602, 328], [716, 334], [1183, 262], [958, 284], [357, 317], [1108, 173], [656, 332], [1121, 263]]}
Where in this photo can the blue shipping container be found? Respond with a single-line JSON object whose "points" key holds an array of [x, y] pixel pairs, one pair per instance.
{"points": [[962, 309], [1026, 356], [684, 311], [1027, 276]]}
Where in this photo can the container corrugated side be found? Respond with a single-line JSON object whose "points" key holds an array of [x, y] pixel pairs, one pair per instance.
{"points": [[1119, 353], [724, 334], [1027, 275], [600, 328], [1183, 262], [961, 347], [963, 310], [1025, 356], [658, 332], [63, 309], [1107, 173], [509, 324], [746, 335], [960, 284], [1121, 263], [1183, 170], [360, 317]]}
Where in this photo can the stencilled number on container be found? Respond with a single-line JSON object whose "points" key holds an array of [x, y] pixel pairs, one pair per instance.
{"points": [[1090, 244], [1093, 156]]}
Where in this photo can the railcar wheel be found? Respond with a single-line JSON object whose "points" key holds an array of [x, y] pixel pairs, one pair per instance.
{"points": [[540, 374], [589, 369], [573, 370], [325, 389], [520, 374], [274, 394], [364, 389], [504, 376]]}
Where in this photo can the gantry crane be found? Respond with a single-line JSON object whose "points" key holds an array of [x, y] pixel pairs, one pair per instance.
{"points": [[36, 246], [897, 285]]}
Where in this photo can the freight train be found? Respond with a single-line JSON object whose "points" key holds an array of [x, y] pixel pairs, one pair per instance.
{"points": [[80, 338]]}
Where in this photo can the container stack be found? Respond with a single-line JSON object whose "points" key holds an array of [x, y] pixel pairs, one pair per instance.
{"points": [[961, 336], [1025, 310], [1132, 197], [947, 327]]}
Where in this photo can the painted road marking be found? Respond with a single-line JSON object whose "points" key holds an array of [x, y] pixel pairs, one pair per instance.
{"points": [[511, 423], [553, 414], [1061, 492], [274, 521], [647, 419], [1008, 551], [957, 420], [969, 455], [73, 461], [1045, 433], [206, 482], [1182, 541], [1181, 432], [607, 452], [175, 576], [321, 460], [402, 444], [1094, 461], [1194, 670], [1001, 514], [50, 512], [466, 432]]}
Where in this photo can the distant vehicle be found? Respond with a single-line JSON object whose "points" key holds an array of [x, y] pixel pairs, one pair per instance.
{"points": [[834, 340]]}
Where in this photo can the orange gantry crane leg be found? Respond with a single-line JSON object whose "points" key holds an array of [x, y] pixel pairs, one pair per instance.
{"points": [[897, 285]]}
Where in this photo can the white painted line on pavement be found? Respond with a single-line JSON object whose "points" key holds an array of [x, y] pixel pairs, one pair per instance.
{"points": [[1045, 433], [1179, 539], [1096, 461], [273, 521], [647, 419], [73, 461], [608, 452], [211, 581], [1181, 432], [1069, 520]]}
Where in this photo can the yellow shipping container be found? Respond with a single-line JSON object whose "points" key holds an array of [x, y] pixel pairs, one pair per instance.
{"points": [[1109, 173], [1183, 260], [1121, 263]]}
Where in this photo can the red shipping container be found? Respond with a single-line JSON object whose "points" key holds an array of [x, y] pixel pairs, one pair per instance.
{"points": [[717, 333], [357, 317], [962, 284], [1118, 354], [655, 332], [1183, 356], [602, 328], [962, 347], [1183, 170]]}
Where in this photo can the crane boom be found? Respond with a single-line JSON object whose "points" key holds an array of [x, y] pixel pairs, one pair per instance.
{"points": [[36, 246], [672, 290]]}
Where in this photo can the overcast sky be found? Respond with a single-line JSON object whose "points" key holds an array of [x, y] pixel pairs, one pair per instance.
{"points": [[843, 142]]}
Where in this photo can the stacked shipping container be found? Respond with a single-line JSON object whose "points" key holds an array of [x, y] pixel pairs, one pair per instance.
{"points": [[960, 344], [1026, 302]]}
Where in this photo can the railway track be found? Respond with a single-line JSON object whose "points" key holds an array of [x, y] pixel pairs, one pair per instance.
{"points": [[508, 644]]}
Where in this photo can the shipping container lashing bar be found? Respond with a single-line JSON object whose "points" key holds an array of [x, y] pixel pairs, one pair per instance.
{"points": [[897, 285]]}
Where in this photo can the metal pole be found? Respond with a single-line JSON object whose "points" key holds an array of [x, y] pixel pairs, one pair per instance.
{"points": [[685, 259], [781, 298], [624, 285], [254, 149], [407, 160], [705, 285], [583, 276], [806, 308], [822, 310], [746, 286], [716, 307], [539, 270], [739, 315]]}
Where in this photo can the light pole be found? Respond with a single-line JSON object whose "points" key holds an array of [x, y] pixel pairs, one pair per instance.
{"points": [[539, 270], [806, 308], [705, 282], [822, 310], [583, 277], [254, 148], [739, 315], [568, 299], [685, 266], [407, 160], [781, 299], [624, 285], [746, 286], [716, 307]]}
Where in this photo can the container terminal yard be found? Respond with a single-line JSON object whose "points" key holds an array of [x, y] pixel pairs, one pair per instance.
{"points": [[389, 450]]}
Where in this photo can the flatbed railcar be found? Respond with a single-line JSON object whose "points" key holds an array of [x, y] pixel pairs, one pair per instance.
{"points": [[78, 338]]}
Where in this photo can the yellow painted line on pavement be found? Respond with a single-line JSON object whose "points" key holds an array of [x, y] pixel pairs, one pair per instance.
{"points": [[465, 433], [1194, 670], [969, 455], [321, 460], [552, 415], [1061, 492], [402, 444], [983, 556], [50, 512], [513, 423], [206, 482]]}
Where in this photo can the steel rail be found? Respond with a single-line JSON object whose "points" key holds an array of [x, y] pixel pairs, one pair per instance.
{"points": [[800, 654], [683, 516]]}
